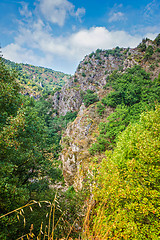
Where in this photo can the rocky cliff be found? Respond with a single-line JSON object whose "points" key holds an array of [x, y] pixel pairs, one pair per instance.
{"points": [[91, 74], [76, 141], [94, 69]]}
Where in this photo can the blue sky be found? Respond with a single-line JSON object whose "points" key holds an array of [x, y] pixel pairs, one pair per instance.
{"points": [[59, 33]]}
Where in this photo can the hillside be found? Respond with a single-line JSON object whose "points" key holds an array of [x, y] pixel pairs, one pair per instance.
{"points": [[96, 67], [37, 81], [96, 73], [111, 149]]}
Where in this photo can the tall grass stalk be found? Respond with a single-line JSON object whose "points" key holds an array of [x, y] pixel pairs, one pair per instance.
{"points": [[46, 232]]}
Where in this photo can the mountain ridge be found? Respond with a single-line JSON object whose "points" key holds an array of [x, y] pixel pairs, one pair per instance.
{"points": [[92, 74], [37, 81]]}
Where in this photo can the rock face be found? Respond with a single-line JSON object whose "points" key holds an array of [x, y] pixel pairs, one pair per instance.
{"points": [[68, 99], [93, 71], [76, 141], [91, 74]]}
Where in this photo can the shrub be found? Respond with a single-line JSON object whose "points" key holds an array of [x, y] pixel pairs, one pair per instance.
{"points": [[158, 50], [126, 192], [83, 74], [133, 92], [142, 46], [89, 98], [148, 53], [100, 108], [157, 40]]}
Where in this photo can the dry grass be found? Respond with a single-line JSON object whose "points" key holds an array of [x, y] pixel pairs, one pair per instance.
{"points": [[46, 232]]}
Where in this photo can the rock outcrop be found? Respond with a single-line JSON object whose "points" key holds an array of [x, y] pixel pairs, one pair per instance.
{"points": [[76, 141], [91, 74]]}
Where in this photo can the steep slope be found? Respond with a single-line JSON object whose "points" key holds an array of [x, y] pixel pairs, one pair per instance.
{"points": [[37, 81], [76, 141], [94, 69], [91, 74]]}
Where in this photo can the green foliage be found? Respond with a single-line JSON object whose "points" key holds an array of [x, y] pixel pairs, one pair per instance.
{"points": [[100, 108], [91, 55], [149, 52], [114, 52], [97, 54], [83, 74], [89, 98], [37, 80], [133, 93], [157, 40], [142, 46], [129, 87], [127, 190], [75, 79], [58, 124], [9, 93], [29, 147], [55, 217], [152, 66], [158, 50]]}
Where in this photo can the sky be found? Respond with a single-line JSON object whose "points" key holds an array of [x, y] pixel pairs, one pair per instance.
{"points": [[58, 33]]}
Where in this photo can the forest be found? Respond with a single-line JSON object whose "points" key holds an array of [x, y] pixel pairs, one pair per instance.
{"points": [[29, 147]]}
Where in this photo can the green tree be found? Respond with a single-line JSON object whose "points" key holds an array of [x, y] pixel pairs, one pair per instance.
{"points": [[127, 190], [89, 98], [133, 93], [149, 52], [24, 161], [9, 93], [157, 40]]}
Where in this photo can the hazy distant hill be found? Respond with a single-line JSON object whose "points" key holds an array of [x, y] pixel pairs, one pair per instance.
{"points": [[37, 81]]}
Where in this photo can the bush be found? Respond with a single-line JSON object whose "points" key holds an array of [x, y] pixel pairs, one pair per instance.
{"points": [[142, 47], [100, 108], [126, 192], [157, 40], [89, 98], [133, 93], [148, 53]]}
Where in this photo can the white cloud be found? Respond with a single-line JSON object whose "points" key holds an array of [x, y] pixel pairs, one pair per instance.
{"points": [[36, 45], [79, 13], [150, 8], [151, 12], [116, 16], [15, 52], [56, 11], [116, 13], [24, 10]]}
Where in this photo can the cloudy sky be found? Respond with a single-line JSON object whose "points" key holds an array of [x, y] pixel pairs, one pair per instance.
{"points": [[59, 33]]}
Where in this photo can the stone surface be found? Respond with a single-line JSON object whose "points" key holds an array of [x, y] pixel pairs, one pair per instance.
{"points": [[76, 141], [80, 134]]}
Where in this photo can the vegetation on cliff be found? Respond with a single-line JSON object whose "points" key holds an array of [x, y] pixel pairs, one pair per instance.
{"points": [[126, 189], [133, 93], [29, 147], [37, 81]]}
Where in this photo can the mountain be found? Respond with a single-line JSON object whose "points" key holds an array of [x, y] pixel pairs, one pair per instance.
{"points": [[96, 67], [92, 76], [37, 81]]}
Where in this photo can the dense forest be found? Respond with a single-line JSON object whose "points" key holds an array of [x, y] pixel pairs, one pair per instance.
{"points": [[37, 81], [120, 197], [29, 148]]}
